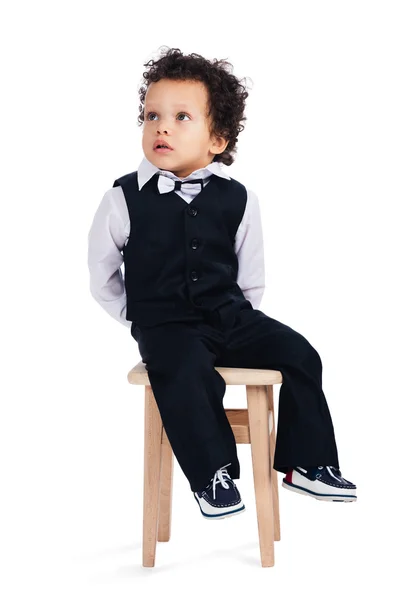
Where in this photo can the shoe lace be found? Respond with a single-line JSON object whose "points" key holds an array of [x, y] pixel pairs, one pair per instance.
{"points": [[219, 478], [333, 474]]}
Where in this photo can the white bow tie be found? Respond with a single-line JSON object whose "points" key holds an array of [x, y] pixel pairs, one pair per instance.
{"points": [[166, 184]]}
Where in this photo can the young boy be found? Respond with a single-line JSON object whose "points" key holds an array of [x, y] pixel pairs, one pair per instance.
{"points": [[191, 241]]}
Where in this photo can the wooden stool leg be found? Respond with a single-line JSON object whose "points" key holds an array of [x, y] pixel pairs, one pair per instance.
{"points": [[167, 471], [275, 493], [257, 404], [152, 472]]}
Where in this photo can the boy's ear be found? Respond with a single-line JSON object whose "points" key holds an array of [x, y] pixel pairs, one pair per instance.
{"points": [[219, 145]]}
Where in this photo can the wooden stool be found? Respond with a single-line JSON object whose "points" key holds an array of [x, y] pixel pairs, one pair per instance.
{"points": [[254, 425]]}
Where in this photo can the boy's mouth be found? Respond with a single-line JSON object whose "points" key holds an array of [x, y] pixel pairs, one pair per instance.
{"points": [[162, 149], [161, 146]]}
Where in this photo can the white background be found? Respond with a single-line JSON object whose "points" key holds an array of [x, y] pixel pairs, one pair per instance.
{"points": [[321, 150]]}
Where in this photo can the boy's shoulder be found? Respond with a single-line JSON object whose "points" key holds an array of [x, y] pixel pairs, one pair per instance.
{"points": [[251, 195], [129, 178]]}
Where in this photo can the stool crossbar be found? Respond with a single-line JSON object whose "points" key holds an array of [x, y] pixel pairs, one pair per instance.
{"points": [[254, 425]]}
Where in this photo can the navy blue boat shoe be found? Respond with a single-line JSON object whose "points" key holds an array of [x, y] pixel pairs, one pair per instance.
{"points": [[322, 483], [220, 498]]}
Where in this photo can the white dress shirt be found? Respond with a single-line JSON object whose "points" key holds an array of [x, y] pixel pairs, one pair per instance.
{"points": [[110, 231]]}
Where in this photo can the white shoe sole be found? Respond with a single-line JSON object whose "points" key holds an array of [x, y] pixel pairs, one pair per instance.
{"points": [[326, 497], [239, 508]]}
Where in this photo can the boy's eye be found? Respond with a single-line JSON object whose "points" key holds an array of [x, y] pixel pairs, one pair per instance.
{"points": [[153, 113]]}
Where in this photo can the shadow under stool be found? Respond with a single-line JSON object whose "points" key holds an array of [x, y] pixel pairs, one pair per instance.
{"points": [[253, 425]]}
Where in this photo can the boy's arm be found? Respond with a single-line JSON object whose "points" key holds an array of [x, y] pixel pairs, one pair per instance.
{"points": [[106, 239], [249, 248]]}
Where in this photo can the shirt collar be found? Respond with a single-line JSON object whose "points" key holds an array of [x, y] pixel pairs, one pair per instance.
{"points": [[146, 171]]}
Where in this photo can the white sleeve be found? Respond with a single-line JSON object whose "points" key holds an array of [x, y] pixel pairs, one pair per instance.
{"points": [[249, 248], [107, 236]]}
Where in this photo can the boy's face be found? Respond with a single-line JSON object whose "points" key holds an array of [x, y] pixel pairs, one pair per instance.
{"points": [[176, 112]]}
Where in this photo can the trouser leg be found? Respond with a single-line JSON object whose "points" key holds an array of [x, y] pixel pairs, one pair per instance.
{"points": [[305, 433], [189, 393]]}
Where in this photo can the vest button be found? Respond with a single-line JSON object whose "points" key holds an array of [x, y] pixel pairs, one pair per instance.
{"points": [[194, 276], [195, 244], [192, 211]]}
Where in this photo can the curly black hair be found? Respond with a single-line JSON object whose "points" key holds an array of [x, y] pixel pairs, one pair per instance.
{"points": [[226, 94]]}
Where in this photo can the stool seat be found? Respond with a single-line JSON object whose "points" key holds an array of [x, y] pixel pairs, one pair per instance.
{"points": [[254, 425], [232, 375]]}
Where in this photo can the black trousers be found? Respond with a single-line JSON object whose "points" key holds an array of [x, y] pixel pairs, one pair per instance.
{"points": [[180, 358]]}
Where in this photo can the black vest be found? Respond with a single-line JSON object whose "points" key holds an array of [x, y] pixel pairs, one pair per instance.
{"points": [[179, 260]]}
